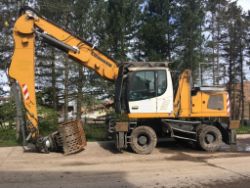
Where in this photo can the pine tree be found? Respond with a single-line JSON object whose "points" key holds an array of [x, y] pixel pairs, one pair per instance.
{"points": [[234, 46], [189, 35], [215, 10], [9, 12], [156, 35], [118, 27]]}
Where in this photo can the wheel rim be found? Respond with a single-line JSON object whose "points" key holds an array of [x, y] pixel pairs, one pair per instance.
{"points": [[143, 140], [210, 138]]}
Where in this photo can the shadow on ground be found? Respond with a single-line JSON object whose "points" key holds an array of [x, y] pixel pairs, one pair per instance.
{"points": [[109, 146], [189, 151], [241, 183], [242, 146], [34, 179]]}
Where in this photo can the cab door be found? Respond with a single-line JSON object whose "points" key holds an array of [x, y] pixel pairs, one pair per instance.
{"points": [[164, 92]]}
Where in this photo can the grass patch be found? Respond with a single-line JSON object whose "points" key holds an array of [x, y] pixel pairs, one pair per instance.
{"points": [[243, 130], [47, 125], [96, 132], [8, 138]]}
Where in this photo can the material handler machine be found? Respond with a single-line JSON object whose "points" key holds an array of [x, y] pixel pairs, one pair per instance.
{"points": [[154, 104]]}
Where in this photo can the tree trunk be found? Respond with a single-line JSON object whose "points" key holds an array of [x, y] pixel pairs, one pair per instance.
{"points": [[218, 52], [53, 80], [242, 84], [213, 48], [230, 84], [66, 91], [79, 92]]}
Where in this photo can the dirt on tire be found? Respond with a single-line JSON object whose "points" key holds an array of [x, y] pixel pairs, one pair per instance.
{"points": [[151, 140], [201, 135]]}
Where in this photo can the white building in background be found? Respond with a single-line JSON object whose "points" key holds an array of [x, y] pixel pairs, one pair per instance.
{"points": [[94, 112]]}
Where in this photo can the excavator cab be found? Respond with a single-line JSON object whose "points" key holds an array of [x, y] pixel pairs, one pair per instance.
{"points": [[150, 91], [144, 90]]}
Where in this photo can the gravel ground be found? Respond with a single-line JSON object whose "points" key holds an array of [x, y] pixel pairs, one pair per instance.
{"points": [[100, 165]]}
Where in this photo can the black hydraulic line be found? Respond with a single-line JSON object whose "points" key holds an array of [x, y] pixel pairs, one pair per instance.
{"points": [[182, 130], [181, 121], [19, 111], [118, 90], [58, 44], [184, 138]]}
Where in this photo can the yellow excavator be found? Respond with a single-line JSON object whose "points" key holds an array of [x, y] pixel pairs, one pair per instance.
{"points": [[154, 103]]}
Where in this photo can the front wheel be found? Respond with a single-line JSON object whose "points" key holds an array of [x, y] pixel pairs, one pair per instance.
{"points": [[143, 140], [209, 138]]}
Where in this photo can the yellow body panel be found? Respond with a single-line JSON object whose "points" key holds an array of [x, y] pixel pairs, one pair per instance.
{"points": [[165, 115], [183, 96], [87, 55], [22, 68], [188, 106]]}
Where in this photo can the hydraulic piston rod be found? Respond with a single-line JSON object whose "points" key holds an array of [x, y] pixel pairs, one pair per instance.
{"points": [[58, 44]]}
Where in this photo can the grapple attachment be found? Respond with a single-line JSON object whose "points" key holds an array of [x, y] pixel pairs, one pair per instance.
{"points": [[71, 137]]}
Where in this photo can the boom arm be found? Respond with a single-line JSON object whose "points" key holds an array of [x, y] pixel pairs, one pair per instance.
{"points": [[22, 67]]}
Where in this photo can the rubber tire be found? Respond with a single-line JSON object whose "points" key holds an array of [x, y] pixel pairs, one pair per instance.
{"points": [[152, 138], [201, 134]]}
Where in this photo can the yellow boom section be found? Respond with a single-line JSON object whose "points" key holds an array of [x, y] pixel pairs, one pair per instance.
{"points": [[85, 53], [22, 67]]}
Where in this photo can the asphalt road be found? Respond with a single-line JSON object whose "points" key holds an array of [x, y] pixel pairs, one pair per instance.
{"points": [[99, 165]]}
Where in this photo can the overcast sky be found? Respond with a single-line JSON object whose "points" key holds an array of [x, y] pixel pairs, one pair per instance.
{"points": [[245, 4]]}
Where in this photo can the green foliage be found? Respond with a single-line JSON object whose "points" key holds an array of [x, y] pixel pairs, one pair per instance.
{"points": [[7, 124], [119, 22], [189, 37], [47, 123], [8, 113], [157, 30], [172, 30], [47, 120], [96, 132], [8, 137], [243, 130]]}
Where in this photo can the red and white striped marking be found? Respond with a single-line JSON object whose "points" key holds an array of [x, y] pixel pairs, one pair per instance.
{"points": [[228, 104], [26, 94]]}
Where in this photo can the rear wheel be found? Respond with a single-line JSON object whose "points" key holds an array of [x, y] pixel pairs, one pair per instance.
{"points": [[209, 138], [143, 140]]}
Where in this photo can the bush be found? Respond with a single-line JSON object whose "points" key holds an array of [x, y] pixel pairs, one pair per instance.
{"points": [[47, 120], [8, 137], [47, 123], [7, 124], [243, 130], [96, 132], [7, 114]]}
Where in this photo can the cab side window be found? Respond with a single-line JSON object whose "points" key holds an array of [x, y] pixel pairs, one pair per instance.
{"points": [[147, 84], [142, 85], [161, 82]]}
